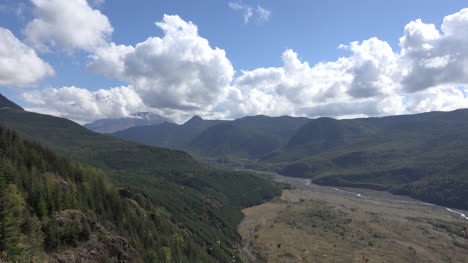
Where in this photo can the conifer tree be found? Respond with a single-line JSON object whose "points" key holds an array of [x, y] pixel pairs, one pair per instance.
{"points": [[12, 206]]}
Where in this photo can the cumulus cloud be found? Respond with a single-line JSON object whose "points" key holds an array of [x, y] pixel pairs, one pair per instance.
{"points": [[83, 105], [180, 74], [260, 14], [70, 24], [430, 57], [19, 64], [359, 84], [178, 71], [441, 98], [374, 80]]}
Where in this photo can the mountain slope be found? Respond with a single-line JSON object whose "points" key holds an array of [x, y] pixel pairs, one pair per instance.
{"points": [[282, 128], [404, 154], [137, 119], [321, 135], [168, 134], [210, 138], [204, 202], [423, 157], [6, 103], [70, 211], [229, 139]]}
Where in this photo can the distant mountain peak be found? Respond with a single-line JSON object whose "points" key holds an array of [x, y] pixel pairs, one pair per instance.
{"points": [[6, 103], [134, 120], [194, 120], [146, 116]]}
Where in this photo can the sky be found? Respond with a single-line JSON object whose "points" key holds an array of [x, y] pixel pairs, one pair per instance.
{"points": [[95, 59]]}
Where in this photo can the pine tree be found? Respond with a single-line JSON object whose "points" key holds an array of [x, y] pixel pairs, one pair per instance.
{"points": [[37, 236], [12, 206], [35, 240]]}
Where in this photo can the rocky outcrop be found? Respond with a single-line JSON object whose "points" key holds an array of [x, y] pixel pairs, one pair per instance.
{"points": [[57, 179], [101, 246]]}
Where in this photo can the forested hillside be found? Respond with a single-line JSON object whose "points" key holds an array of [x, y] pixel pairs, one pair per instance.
{"points": [[202, 202], [422, 155], [167, 134], [248, 137], [50, 204]]}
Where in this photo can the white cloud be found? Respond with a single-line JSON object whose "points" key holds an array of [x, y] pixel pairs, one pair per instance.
{"points": [[359, 84], [263, 13], [373, 81], [180, 74], [260, 14], [374, 67], [245, 9], [430, 57], [178, 71], [70, 24], [441, 98], [83, 105], [19, 64], [435, 62]]}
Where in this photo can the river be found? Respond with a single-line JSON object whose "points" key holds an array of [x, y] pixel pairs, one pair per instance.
{"points": [[372, 195]]}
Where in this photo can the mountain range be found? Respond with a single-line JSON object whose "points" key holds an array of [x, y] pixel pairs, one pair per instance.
{"points": [[139, 202], [422, 155]]}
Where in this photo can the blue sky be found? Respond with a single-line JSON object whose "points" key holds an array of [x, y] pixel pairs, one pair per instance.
{"points": [[312, 30]]}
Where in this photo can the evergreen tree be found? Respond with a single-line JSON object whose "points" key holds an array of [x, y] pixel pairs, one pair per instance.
{"points": [[12, 205], [35, 239]]}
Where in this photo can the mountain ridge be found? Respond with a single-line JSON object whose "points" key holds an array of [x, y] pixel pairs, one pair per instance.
{"points": [[6, 103], [118, 124], [401, 154]]}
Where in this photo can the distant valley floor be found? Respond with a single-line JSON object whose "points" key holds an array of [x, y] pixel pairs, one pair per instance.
{"points": [[320, 224]]}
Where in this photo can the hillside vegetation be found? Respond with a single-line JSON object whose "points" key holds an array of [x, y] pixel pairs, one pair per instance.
{"points": [[200, 201], [53, 205], [422, 155]]}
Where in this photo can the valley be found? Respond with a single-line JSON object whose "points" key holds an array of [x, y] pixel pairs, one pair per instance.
{"points": [[237, 131], [311, 223], [420, 155]]}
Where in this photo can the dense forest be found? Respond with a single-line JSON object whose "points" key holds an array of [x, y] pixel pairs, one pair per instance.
{"points": [[192, 211], [37, 187]]}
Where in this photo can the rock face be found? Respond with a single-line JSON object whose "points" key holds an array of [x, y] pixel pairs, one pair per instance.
{"points": [[57, 179], [102, 245]]}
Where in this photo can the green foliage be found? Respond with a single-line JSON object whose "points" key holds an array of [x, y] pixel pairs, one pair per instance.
{"points": [[175, 195], [167, 134], [69, 185], [11, 212], [230, 139], [245, 137], [422, 155]]}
